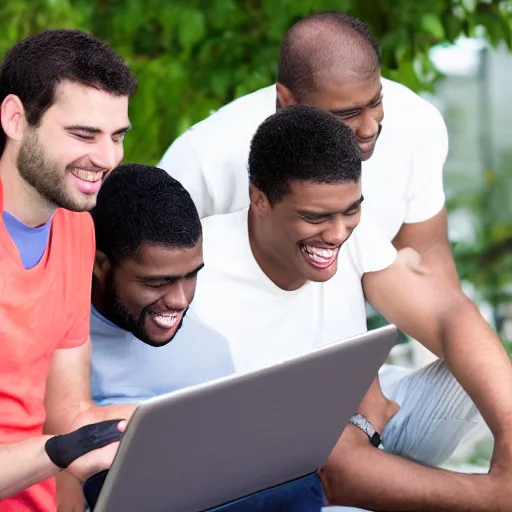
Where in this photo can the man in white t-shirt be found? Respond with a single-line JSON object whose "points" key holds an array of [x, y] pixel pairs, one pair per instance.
{"points": [[279, 279], [332, 61]]}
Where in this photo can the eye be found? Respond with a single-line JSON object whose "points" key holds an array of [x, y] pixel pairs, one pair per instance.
{"points": [[314, 219], [376, 103], [352, 212], [81, 136], [119, 139]]}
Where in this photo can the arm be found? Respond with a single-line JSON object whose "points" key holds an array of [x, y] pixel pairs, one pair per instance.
{"points": [[68, 399], [439, 315], [69, 405], [24, 464], [425, 225], [357, 474], [430, 239]]}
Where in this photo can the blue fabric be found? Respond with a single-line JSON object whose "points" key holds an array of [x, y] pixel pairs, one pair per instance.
{"points": [[302, 495], [126, 370], [31, 242]]}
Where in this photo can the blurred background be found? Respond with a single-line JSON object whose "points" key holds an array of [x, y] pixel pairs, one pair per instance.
{"points": [[193, 56]]}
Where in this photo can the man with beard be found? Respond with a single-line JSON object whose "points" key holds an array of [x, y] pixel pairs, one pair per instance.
{"points": [[148, 255], [64, 113]]}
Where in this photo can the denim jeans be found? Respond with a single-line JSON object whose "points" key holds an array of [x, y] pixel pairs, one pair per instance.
{"points": [[302, 495]]}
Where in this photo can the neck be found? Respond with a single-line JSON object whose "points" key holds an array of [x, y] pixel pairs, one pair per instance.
{"points": [[275, 270], [20, 199]]}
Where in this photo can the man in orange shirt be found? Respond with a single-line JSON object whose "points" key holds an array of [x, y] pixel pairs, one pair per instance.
{"points": [[64, 113]]}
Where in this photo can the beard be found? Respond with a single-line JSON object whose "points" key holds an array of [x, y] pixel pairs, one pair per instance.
{"points": [[45, 175], [114, 310]]}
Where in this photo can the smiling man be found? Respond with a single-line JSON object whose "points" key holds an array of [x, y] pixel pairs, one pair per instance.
{"points": [[64, 112], [296, 268], [149, 253], [332, 61]]}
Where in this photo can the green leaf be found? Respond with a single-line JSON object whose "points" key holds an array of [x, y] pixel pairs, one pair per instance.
{"points": [[431, 24]]}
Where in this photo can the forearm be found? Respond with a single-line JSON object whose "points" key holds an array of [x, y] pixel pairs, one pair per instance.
{"points": [[95, 413], [24, 464], [359, 475], [480, 363]]}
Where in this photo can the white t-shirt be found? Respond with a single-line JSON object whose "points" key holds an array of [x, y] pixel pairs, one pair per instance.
{"points": [[402, 181], [265, 324]]}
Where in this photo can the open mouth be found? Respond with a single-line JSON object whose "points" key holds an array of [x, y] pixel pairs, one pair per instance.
{"points": [[89, 176], [87, 182], [319, 257], [166, 320]]}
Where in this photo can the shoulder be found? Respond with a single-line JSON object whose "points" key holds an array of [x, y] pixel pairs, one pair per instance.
{"points": [[403, 105], [75, 232], [197, 330], [368, 248], [235, 122], [224, 231]]}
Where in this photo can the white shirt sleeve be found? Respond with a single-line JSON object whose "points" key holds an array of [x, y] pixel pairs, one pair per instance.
{"points": [[368, 248], [183, 163], [425, 197]]}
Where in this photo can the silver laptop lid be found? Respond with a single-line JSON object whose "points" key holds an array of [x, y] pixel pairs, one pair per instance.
{"points": [[207, 445]]}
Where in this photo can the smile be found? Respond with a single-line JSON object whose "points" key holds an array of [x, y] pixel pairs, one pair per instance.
{"points": [[89, 176], [319, 257], [166, 320]]}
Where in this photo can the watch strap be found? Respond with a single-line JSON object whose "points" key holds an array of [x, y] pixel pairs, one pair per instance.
{"points": [[365, 425]]}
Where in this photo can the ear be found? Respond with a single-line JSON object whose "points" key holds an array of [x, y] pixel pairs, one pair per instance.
{"points": [[102, 266], [284, 95], [259, 201], [12, 117]]}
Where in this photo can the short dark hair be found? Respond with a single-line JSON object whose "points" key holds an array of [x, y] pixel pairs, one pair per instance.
{"points": [[140, 205], [300, 59], [34, 66], [301, 143]]}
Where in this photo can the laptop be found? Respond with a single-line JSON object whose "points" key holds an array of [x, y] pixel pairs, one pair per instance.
{"points": [[211, 444]]}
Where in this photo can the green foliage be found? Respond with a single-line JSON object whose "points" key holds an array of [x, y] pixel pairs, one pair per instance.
{"points": [[192, 56]]}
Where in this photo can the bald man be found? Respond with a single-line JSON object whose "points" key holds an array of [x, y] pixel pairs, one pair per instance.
{"points": [[332, 61]]}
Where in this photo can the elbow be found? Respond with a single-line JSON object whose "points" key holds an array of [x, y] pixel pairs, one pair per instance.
{"points": [[338, 475]]}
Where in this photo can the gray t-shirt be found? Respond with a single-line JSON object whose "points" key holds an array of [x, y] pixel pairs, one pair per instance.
{"points": [[126, 370]]}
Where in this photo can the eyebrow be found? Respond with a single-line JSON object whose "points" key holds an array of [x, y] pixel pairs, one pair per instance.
{"points": [[158, 278], [356, 107], [353, 206], [94, 130]]}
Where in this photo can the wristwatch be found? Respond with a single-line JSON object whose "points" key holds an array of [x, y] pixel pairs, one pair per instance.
{"points": [[364, 424]]}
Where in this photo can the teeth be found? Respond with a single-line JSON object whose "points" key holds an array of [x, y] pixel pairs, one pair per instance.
{"points": [[166, 321], [87, 175], [326, 254]]}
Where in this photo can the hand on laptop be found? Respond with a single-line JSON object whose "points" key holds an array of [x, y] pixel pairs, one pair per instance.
{"points": [[96, 460]]}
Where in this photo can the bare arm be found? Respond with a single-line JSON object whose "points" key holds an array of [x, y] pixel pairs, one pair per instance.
{"points": [[430, 240], [357, 474], [68, 399], [439, 315], [24, 464], [69, 405]]}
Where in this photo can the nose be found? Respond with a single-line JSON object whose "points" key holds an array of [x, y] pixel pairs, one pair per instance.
{"points": [[368, 126], [107, 154], [338, 230], [176, 297]]}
